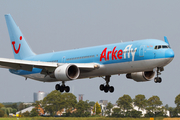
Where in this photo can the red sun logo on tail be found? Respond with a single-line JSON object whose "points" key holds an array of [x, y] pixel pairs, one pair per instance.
{"points": [[13, 43]]}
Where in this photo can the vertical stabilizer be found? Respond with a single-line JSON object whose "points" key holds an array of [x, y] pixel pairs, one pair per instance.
{"points": [[166, 40], [20, 47]]}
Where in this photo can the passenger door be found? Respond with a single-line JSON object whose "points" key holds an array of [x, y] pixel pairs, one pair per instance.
{"points": [[141, 51]]}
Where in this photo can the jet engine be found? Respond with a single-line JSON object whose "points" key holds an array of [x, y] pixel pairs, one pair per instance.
{"points": [[141, 76], [67, 72]]}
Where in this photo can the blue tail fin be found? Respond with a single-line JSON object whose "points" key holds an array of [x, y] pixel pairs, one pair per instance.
{"points": [[166, 40], [20, 47]]}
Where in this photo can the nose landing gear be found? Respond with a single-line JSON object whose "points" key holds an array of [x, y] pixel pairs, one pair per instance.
{"points": [[106, 87], [158, 79]]}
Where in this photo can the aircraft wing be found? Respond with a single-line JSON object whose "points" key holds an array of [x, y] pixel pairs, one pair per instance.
{"points": [[46, 66]]}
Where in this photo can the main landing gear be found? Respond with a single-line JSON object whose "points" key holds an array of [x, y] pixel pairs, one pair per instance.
{"points": [[158, 79], [106, 87], [62, 88]]}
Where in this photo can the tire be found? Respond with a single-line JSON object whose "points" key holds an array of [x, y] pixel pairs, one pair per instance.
{"points": [[67, 89], [57, 87], [106, 89], [160, 80], [61, 89], [111, 89], [156, 79], [101, 87]]}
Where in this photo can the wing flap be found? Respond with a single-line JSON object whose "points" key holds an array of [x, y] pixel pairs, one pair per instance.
{"points": [[25, 64]]}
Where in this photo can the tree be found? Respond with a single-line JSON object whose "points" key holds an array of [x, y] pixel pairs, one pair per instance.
{"points": [[4, 109], [97, 108], [37, 104], [27, 114], [69, 101], [91, 103], [117, 112], [161, 112], [14, 111], [9, 110], [175, 112], [20, 107], [125, 102], [13, 106], [34, 112], [140, 101], [1, 105], [149, 114], [108, 108], [135, 114], [1, 113], [53, 102], [83, 109], [153, 103], [177, 102]]}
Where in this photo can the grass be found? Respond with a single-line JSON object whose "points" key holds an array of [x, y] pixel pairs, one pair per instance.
{"points": [[75, 118]]}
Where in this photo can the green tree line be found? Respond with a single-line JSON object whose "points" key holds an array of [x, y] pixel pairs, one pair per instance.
{"points": [[6, 108], [152, 106], [57, 101]]}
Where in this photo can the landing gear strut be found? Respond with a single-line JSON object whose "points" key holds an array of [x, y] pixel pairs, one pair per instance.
{"points": [[106, 87], [158, 79], [62, 88]]}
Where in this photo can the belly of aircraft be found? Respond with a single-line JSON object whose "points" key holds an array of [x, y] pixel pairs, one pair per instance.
{"points": [[110, 69]]}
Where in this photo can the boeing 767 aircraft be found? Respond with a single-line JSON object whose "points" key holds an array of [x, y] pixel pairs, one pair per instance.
{"points": [[141, 60]]}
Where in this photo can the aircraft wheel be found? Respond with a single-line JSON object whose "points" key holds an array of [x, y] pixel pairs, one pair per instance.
{"points": [[160, 80], [111, 89], [57, 87], [101, 87], [61, 89], [67, 89], [156, 79], [106, 88]]}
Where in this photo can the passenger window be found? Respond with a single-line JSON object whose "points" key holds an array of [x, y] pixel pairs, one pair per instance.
{"points": [[155, 47]]}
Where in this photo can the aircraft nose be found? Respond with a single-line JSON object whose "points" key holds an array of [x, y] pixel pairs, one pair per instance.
{"points": [[169, 53]]}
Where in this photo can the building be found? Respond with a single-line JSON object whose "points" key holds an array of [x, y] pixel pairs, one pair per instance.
{"points": [[80, 97], [24, 110], [103, 104], [39, 96]]}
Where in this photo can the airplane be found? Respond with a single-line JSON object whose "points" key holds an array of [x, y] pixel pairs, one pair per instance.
{"points": [[141, 60]]}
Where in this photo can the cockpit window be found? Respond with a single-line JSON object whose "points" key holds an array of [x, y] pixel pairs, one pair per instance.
{"points": [[155, 47], [161, 46], [164, 46]]}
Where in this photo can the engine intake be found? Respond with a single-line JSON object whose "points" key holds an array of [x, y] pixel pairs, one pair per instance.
{"points": [[141, 76], [67, 72]]}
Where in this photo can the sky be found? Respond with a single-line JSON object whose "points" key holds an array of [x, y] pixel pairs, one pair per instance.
{"points": [[68, 24]]}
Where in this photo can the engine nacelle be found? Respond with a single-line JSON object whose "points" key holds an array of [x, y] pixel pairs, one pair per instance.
{"points": [[141, 76], [67, 72]]}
